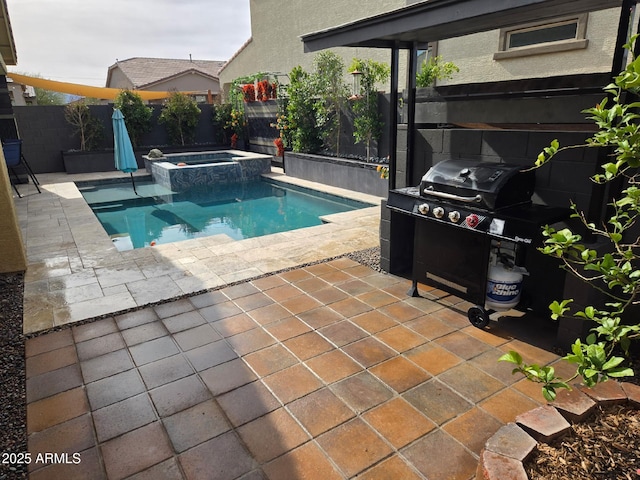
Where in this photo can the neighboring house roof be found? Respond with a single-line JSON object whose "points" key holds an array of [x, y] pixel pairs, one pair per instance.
{"points": [[144, 72]]}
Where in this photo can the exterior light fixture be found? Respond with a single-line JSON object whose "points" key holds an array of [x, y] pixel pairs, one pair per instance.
{"points": [[356, 84]]}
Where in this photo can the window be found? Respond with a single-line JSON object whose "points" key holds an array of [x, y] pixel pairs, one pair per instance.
{"points": [[559, 35]]}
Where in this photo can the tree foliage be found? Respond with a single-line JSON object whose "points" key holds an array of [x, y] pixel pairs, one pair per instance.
{"points": [[435, 69], [303, 112], [137, 115], [615, 271], [48, 97], [180, 115], [333, 91], [86, 126], [367, 122]]}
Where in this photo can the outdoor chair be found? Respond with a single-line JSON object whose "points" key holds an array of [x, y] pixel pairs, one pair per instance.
{"points": [[14, 158]]}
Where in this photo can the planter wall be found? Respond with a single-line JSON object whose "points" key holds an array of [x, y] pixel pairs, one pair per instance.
{"points": [[103, 161], [87, 162], [337, 172]]}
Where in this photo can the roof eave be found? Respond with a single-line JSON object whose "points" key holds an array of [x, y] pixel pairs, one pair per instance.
{"points": [[7, 43]]}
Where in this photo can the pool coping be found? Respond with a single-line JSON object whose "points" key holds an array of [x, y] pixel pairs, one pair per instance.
{"points": [[76, 273]]}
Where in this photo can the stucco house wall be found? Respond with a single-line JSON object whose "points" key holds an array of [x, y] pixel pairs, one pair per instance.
{"points": [[119, 80], [474, 55], [275, 45], [276, 26], [186, 83]]}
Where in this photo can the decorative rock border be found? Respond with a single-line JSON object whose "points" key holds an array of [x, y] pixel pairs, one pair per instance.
{"points": [[504, 452]]}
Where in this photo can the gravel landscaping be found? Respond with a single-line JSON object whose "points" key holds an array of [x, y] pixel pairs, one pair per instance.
{"points": [[13, 414]]}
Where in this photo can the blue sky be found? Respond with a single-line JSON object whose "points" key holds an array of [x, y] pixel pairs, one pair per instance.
{"points": [[77, 40]]}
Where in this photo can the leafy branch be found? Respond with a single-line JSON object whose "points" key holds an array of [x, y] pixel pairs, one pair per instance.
{"points": [[613, 272]]}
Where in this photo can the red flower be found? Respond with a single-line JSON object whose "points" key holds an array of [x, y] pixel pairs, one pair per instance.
{"points": [[249, 92], [280, 145]]}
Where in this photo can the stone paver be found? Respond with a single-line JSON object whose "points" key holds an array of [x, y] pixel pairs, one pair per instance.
{"points": [[230, 380], [230, 383]]}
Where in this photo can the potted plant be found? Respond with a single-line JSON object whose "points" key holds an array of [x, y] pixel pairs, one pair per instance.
{"points": [[90, 133], [310, 121], [88, 128]]}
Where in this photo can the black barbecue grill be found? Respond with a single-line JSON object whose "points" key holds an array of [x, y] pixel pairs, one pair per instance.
{"points": [[466, 212]]}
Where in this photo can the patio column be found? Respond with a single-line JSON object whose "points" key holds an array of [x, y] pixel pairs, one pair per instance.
{"points": [[411, 112], [393, 117]]}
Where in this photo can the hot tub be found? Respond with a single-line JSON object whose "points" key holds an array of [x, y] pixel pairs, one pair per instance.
{"points": [[181, 171]]}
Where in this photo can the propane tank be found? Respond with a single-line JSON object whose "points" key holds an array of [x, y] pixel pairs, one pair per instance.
{"points": [[504, 286]]}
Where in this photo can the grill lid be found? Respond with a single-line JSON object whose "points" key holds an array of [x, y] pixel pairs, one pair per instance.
{"points": [[485, 185]]}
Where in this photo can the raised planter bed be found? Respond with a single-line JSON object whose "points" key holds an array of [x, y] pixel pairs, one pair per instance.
{"points": [[337, 172], [76, 161], [87, 162]]}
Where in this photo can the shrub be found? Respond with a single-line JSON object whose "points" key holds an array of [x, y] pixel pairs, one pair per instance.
{"points": [[302, 112], [180, 114], [137, 116]]}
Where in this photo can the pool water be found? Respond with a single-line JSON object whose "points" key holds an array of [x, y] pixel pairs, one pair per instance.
{"points": [[240, 211]]}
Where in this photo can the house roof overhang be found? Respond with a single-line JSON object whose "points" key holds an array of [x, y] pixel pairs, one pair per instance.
{"points": [[433, 20], [7, 44]]}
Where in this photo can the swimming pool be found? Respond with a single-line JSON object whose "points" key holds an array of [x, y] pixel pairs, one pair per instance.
{"points": [[242, 210]]}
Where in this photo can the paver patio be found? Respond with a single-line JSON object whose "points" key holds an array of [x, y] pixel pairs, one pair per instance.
{"points": [[322, 371]]}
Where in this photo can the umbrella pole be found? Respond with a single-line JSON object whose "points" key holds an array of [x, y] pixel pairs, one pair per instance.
{"points": [[133, 183]]}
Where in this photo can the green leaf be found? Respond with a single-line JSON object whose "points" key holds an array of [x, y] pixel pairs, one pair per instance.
{"points": [[612, 362], [549, 393], [615, 237], [624, 372], [513, 357], [596, 354]]}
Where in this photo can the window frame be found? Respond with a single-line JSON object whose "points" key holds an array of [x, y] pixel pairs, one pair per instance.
{"points": [[579, 42]]}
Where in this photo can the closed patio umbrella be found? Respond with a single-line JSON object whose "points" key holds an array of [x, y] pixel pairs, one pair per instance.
{"points": [[123, 150]]}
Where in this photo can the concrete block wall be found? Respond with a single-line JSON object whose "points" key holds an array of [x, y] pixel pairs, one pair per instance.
{"points": [[563, 180], [46, 134]]}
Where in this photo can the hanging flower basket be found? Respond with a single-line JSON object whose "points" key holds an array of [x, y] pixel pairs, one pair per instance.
{"points": [[249, 93]]}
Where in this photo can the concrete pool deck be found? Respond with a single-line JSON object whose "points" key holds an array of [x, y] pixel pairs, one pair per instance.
{"points": [[75, 272]]}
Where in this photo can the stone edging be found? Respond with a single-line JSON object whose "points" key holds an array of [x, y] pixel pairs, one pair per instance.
{"points": [[504, 452]]}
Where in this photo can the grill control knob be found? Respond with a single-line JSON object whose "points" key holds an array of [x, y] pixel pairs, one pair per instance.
{"points": [[454, 216], [438, 212], [423, 208], [472, 220]]}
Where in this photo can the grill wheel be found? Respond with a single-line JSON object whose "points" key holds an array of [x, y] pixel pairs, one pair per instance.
{"points": [[478, 316]]}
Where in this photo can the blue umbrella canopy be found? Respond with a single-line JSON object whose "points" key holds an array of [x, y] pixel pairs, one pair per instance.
{"points": [[125, 159]]}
